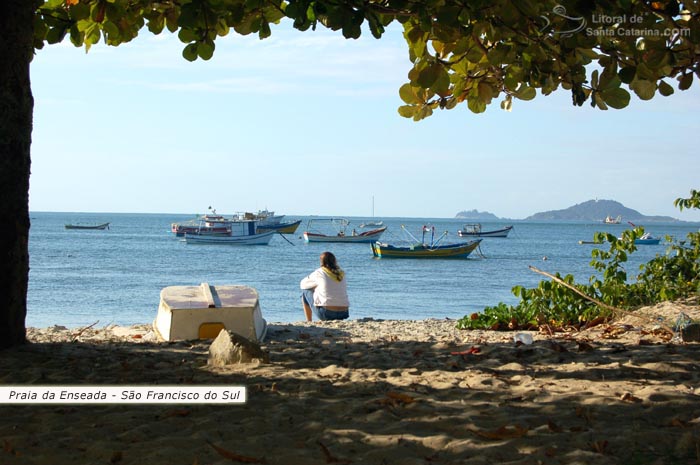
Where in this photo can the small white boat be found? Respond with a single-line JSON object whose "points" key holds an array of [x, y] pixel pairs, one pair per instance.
{"points": [[201, 312], [337, 230], [475, 230], [247, 239], [100, 227], [610, 220], [647, 239]]}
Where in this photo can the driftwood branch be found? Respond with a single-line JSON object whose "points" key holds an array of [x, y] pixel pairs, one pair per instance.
{"points": [[82, 330], [596, 301]]}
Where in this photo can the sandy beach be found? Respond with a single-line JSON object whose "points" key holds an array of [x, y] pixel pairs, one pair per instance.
{"points": [[370, 392]]}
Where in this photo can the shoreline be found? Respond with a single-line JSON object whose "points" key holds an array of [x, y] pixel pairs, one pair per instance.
{"points": [[369, 392]]}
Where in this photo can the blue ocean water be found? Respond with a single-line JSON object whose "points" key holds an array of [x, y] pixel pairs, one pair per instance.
{"points": [[115, 276]]}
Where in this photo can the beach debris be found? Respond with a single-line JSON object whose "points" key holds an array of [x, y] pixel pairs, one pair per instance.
{"points": [[553, 427], [613, 331], [557, 347], [584, 347], [230, 348], [330, 458], [77, 334], [691, 333], [523, 338], [599, 446], [117, 456], [473, 350], [504, 432], [396, 399], [9, 448], [627, 397], [227, 454]]}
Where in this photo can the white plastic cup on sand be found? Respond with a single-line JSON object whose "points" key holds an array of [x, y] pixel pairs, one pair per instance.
{"points": [[523, 338]]}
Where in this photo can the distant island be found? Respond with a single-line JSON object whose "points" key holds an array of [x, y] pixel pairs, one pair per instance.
{"points": [[476, 215], [593, 210], [596, 211]]}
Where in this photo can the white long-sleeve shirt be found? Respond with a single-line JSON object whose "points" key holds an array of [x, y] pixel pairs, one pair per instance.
{"points": [[328, 292]]}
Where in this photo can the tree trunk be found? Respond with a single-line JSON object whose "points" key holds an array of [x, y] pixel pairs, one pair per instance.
{"points": [[16, 107]]}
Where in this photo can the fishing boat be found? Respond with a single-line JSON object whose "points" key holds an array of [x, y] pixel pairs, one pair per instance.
{"points": [[241, 233], [206, 225], [422, 249], [264, 217], [610, 220], [87, 226], [336, 230], [475, 230], [282, 227]]}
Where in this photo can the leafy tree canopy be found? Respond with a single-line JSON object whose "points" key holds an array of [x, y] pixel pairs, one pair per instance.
{"points": [[461, 51]]}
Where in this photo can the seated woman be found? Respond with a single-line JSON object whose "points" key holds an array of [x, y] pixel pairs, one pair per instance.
{"points": [[325, 292]]}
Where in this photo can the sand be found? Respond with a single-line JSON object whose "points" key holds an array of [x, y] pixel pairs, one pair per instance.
{"points": [[370, 392]]}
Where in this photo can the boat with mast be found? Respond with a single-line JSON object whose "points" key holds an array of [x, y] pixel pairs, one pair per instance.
{"points": [[423, 249], [373, 223]]}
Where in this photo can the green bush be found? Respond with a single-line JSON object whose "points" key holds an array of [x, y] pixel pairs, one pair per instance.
{"points": [[674, 275]]}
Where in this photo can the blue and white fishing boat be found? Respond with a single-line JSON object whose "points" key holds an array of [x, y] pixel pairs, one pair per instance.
{"points": [[241, 233]]}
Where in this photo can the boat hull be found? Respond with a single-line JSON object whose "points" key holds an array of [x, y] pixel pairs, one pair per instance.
{"points": [[462, 250], [252, 239], [495, 233], [282, 228], [647, 241], [200, 312], [86, 226], [365, 237]]}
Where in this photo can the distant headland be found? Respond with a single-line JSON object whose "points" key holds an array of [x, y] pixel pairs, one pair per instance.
{"points": [[476, 215], [591, 210]]}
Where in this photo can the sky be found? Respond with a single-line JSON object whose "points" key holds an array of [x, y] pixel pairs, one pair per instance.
{"points": [[306, 123]]}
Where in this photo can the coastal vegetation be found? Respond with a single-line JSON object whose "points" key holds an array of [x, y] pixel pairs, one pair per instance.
{"points": [[472, 53], [555, 305]]}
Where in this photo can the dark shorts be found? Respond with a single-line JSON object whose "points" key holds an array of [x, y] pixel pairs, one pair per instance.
{"points": [[322, 313]]}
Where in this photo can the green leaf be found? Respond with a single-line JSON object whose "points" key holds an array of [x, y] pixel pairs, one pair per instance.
{"points": [[665, 89], [80, 11], [408, 95], [429, 75], [616, 98], [507, 103], [187, 35], [265, 30], [526, 93], [407, 111], [685, 81], [476, 105], [189, 53], [645, 90], [441, 86], [205, 49], [626, 75]]}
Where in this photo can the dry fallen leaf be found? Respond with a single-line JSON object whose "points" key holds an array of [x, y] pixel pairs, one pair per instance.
{"points": [[554, 427], [678, 423], [627, 397], [235, 457], [396, 399], [599, 446], [176, 413], [504, 432], [584, 347], [330, 458]]}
